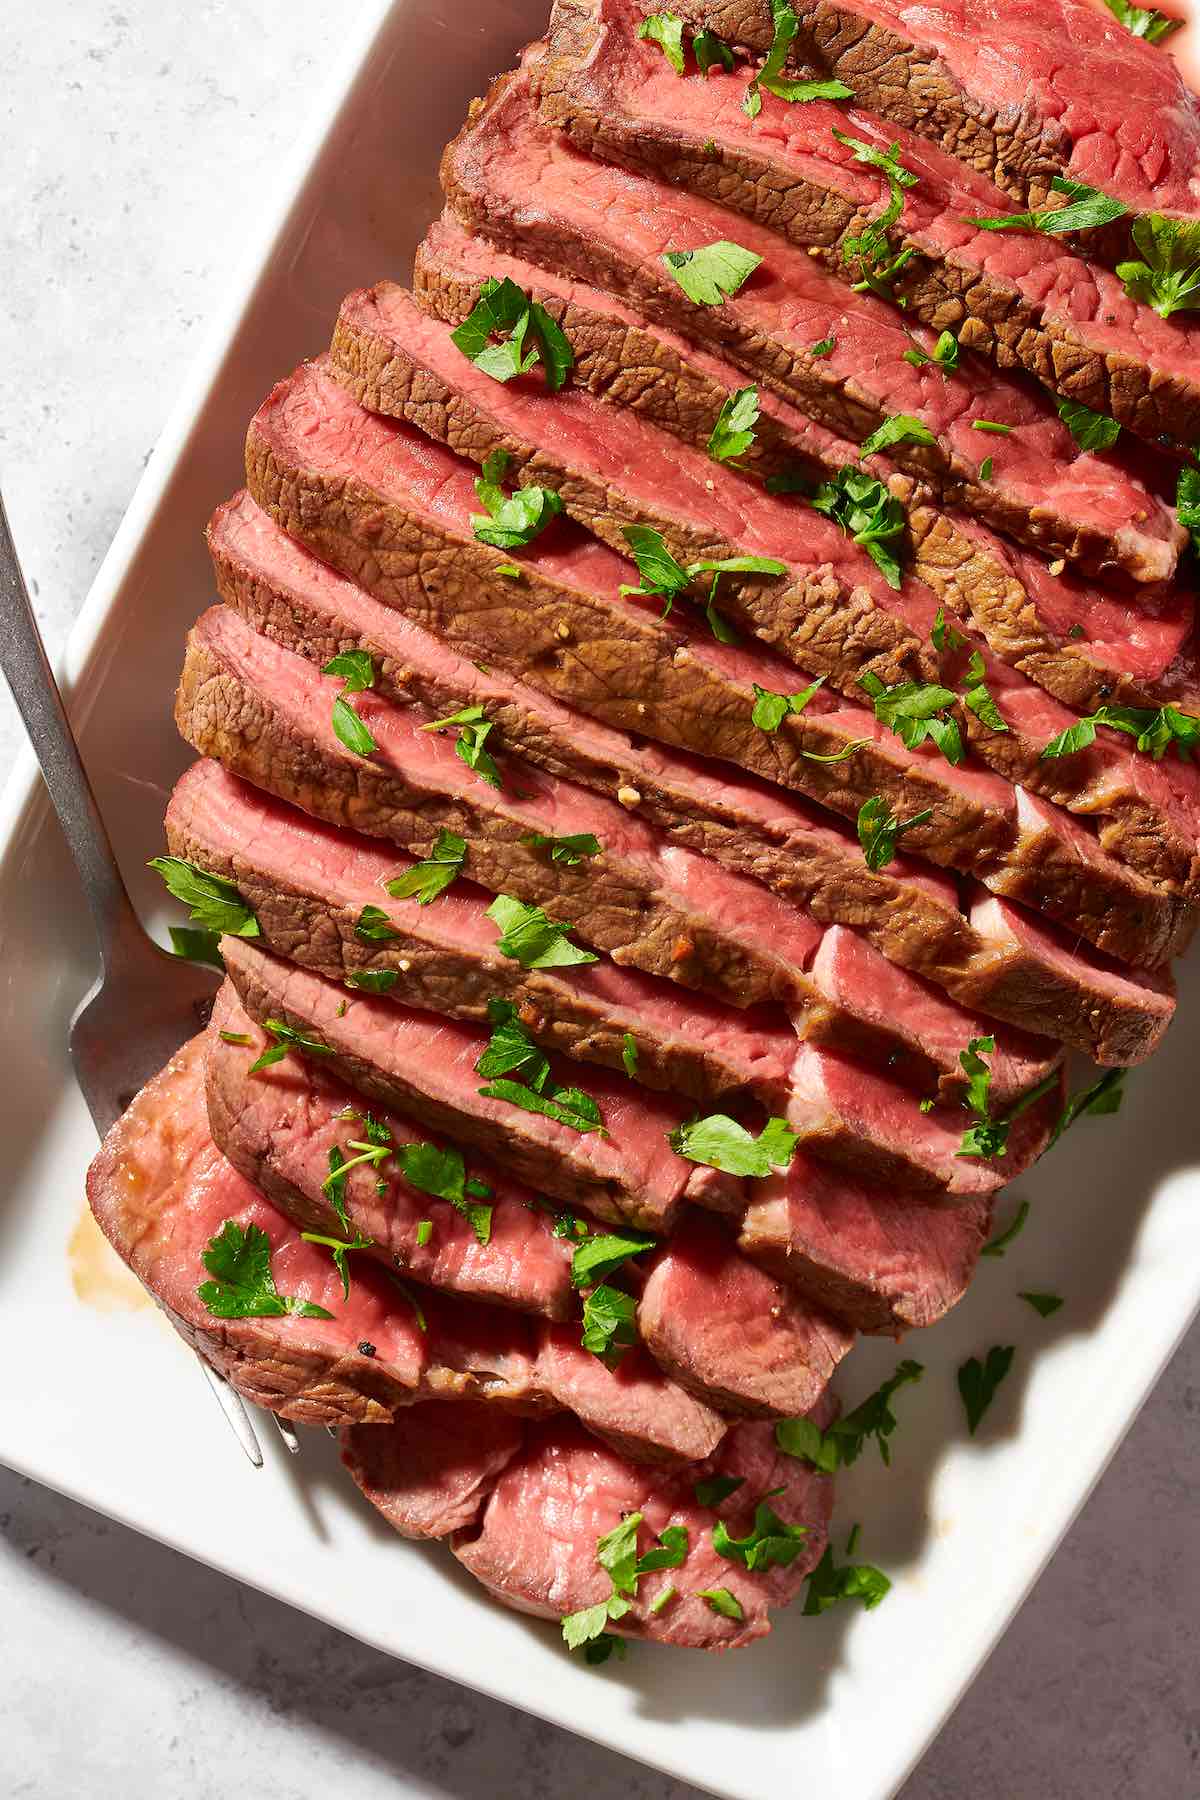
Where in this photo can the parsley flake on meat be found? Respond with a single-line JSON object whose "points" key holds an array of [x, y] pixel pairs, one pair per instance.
{"points": [[603, 1253], [1143, 21], [339, 1249], [426, 880], [629, 1055], [917, 712], [771, 709], [374, 926], [1091, 430], [879, 830], [901, 428], [512, 1051], [771, 75], [977, 695], [527, 332], [1086, 208], [713, 273], [532, 939], [243, 1286], [513, 520], [357, 672], [214, 903], [442, 1173], [978, 1381], [733, 433], [719, 1142], [373, 981], [720, 1600], [1154, 732], [609, 1323], [617, 1555], [944, 354], [1187, 502], [665, 30], [661, 574], [565, 850], [822, 348], [770, 1543], [1167, 277], [715, 1488], [287, 1038], [866, 512], [878, 265], [474, 727]]}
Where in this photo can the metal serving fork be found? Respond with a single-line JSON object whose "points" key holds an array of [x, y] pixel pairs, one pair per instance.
{"points": [[145, 1002]]}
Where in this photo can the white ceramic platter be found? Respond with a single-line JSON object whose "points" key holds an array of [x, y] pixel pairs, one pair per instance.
{"points": [[102, 1401]]}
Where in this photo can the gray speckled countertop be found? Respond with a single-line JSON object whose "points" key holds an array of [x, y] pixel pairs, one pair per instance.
{"points": [[128, 133]]}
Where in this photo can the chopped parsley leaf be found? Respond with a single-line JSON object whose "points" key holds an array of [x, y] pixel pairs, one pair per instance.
{"points": [[242, 1286], [844, 1441], [532, 939], [372, 981], [527, 331], [771, 1541], [916, 712], [442, 1173], [1101, 1098], [1168, 275], [719, 1142], [1086, 208], [629, 1055], [827, 1585], [1091, 430], [426, 880], [513, 520], [866, 512], [771, 709], [998, 1245], [665, 30], [604, 1252], [374, 926], [733, 433], [901, 428], [711, 274], [720, 1600], [978, 1381], [287, 1038], [196, 945], [1143, 21], [564, 850], [474, 727], [1043, 1304], [879, 830], [215, 904]]}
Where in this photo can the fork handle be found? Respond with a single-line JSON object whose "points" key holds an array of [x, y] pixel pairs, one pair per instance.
{"points": [[27, 670]]}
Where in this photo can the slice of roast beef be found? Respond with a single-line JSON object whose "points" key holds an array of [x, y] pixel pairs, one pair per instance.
{"points": [[1025, 300], [913, 918], [726, 1330], [278, 1128], [1147, 815], [882, 1263], [161, 1191], [424, 1066], [431, 1470], [612, 470], [840, 1110], [1020, 92], [620, 356], [308, 885], [534, 1546], [240, 700], [511, 181]]}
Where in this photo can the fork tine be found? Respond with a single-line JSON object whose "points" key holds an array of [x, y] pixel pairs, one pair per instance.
{"points": [[287, 1433], [233, 1407]]}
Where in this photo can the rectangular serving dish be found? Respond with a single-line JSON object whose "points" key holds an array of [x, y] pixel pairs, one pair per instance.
{"points": [[118, 1416]]}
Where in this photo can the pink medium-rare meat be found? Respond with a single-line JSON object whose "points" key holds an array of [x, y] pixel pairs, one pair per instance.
{"points": [[611, 470], [425, 1067], [161, 1190], [534, 1546], [278, 1127], [883, 1263], [909, 912], [396, 369], [853, 1115], [1022, 297], [308, 885], [431, 1470], [510, 180], [728, 1331], [1019, 91]]}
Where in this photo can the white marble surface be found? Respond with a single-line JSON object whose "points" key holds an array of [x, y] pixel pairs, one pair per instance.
{"points": [[131, 134]]}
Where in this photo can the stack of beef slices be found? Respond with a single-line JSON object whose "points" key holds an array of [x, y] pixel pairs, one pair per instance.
{"points": [[696, 725]]}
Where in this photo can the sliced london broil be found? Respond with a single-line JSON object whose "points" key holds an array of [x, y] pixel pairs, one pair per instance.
{"points": [[511, 181], [534, 1544], [279, 1125], [882, 1262], [1026, 300], [805, 854], [320, 897], [432, 1469], [161, 1191], [1073, 640], [612, 471], [424, 1066], [1021, 92]]}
